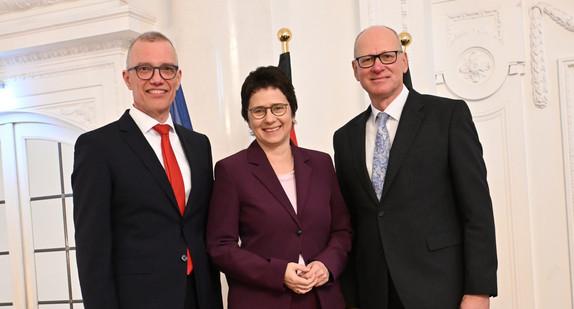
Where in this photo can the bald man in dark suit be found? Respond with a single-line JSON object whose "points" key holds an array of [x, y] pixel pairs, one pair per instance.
{"points": [[426, 238]]}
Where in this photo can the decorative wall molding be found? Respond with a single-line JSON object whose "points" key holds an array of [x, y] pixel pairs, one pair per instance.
{"points": [[61, 52], [566, 88], [404, 15], [81, 113], [560, 17], [66, 71], [474, 55], [472, 72], [485, 22], [371, 14], [538, 65], [476, 65], [7, 6], [85, 23]]}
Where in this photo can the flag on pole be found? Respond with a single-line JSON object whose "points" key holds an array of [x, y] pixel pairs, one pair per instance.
{"points": [[285, 66], [406, 40], [407, 79], [178, 110]]}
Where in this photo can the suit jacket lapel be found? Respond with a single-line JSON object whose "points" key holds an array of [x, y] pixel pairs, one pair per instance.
{"points": [[139, 144], [194, 158], [263, 171], [409, 124]]}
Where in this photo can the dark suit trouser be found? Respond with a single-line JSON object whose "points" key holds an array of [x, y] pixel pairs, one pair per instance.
{"points": [[191, 293]]}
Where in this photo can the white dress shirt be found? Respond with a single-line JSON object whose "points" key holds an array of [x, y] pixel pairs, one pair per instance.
{"points": [[146, 123]]}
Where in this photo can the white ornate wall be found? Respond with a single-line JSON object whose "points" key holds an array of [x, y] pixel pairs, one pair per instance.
{"points": [[512, 61], [566, 95], [64, 58], [552, 36]]}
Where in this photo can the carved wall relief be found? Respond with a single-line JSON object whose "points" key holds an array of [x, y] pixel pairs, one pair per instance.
{"points": [[537, 55], [475, 63], [19, 5]]}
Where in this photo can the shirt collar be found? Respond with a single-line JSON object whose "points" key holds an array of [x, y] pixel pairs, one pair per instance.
{"points": [[394, 109], [145, 122]]}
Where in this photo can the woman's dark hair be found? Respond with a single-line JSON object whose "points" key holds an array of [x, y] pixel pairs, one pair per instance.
{"points": [[263, 78]]}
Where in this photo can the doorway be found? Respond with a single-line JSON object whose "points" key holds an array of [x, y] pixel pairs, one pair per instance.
{"points": [[37, 249]]}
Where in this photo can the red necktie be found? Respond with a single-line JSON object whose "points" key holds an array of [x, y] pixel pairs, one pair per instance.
{"points": [[174, 175]]}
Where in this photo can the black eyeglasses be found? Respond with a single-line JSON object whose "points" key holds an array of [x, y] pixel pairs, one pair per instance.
{"points": [[146, 71], [277, 109], [387, 57]]}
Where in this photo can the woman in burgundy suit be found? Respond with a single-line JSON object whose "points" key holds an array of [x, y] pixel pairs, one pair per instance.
{"points": [[278, 226]]}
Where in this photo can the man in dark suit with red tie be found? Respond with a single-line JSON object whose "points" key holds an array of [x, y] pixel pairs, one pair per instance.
{"points": [[417, 193], [142, 187]]}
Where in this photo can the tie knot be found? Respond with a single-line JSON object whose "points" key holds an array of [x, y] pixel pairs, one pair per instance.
{"points": [[161, 128], [382, 118]]}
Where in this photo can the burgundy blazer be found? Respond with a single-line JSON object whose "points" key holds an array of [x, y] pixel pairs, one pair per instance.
{"points": [[249, 204]]}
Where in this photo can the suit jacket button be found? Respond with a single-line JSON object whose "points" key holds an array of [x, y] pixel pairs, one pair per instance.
{"points": [[381, 213], [184, 257], [299, 232]]}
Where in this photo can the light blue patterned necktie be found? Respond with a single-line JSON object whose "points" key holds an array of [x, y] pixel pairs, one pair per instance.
{"points": [[381, 154]]}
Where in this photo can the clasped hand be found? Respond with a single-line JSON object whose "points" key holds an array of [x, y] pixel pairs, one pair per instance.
{"points": [[301, 279]]}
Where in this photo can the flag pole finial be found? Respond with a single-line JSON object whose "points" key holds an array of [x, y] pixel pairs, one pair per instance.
{"points": [[284, 35], [405, 39]]}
